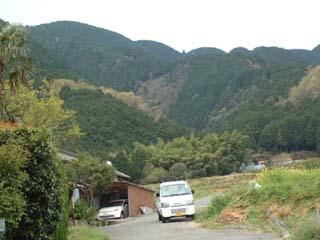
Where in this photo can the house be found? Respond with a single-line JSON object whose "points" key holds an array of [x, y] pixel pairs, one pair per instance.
{"points": [[121, 188]]}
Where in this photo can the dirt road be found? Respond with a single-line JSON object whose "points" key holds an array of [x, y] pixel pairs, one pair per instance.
{"points": [[149, 228]]}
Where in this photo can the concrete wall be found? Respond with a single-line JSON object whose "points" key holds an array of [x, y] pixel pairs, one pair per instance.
{"points": [[138, 197]]}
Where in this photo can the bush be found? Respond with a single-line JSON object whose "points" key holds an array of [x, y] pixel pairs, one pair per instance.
{"points": [[197, 173], [178, 171], [217, 205], [157, 175], [43, 190], [307, 230], [83, 211], [62, 230], [12, 178]]}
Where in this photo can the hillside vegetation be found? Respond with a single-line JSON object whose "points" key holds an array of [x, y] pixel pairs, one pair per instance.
{"points": [[289, 195], [98, 55], [205, 89], [127, 97], [109, 124], [189, 157]]}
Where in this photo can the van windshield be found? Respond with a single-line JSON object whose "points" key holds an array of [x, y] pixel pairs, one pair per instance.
{"points": [[175, 190]]}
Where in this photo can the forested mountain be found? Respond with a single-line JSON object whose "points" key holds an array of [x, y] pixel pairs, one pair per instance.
{"points": [[109, 124], [205, 89], [160, 50], [100, 56], [206, 51]]}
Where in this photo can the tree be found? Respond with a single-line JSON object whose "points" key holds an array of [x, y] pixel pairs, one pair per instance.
{"points": [[178, 171], [308, 87], [14, 60], [42, 108], [15, 63], [92, 173], [157, 175]]}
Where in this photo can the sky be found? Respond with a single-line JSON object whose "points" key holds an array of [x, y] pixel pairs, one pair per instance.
{"points": [[185, 24]]}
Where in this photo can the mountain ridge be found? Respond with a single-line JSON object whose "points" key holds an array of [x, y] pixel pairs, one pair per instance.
{"points": [[209, 90]]}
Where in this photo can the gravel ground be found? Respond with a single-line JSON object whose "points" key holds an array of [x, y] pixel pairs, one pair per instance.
{"points": [[149, 228]]}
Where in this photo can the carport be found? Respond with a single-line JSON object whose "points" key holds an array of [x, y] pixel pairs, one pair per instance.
{"points": [[137, 196]]}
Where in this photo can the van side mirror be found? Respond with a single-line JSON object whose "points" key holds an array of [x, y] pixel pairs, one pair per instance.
{"points": [[192, 191], [158, 194]]}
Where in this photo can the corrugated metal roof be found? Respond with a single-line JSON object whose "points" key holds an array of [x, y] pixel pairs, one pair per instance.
{"points": [[121, 174], [133, 184]]}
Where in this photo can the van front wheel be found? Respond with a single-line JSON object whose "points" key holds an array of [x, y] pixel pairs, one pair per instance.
{"points": [[164, 220], [159, 217]]}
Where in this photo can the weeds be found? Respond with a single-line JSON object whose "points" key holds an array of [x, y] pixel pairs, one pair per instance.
{"points": [[218, 203], [308, 229]]}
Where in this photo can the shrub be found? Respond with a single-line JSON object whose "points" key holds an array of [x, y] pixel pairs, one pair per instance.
{"points": [[42, 191], [12, 178], [157, 175], [307, 230], [178, 171], [62, 230], [217, 205], [83, 211], [197, 173]]}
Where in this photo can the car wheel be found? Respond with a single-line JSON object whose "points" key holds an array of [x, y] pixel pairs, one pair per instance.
{"points": [[122, 216], [159, 217], [164, 220]]}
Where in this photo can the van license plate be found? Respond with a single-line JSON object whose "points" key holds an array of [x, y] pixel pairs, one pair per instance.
{"points": [[179, 214]]}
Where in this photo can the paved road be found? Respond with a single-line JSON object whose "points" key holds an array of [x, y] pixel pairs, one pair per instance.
{"points": [[149, 228]]}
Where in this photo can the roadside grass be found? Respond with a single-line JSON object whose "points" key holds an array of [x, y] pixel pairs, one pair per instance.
{"points": [[209, 186], [310, 163], [308, 229], [86, 233], [291, 195]]}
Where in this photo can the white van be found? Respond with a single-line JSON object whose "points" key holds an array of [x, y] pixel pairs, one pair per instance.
{"points": [[175, 199]]}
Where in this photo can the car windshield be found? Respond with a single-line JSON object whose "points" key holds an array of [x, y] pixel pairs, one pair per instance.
{"points": [[114, 204], [175, 190]]}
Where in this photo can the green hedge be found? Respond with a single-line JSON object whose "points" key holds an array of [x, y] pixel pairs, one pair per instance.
{"points": [[62, 230], [44, 191]]}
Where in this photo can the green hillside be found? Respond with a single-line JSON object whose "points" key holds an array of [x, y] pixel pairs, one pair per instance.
{"points": [[206, 89], [97, 55], [206, 51], [280, 56], [234, 92], [109, 123], [160, 50]]}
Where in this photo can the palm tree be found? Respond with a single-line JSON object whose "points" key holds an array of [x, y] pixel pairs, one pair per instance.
{"points": [[15, 64]]}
